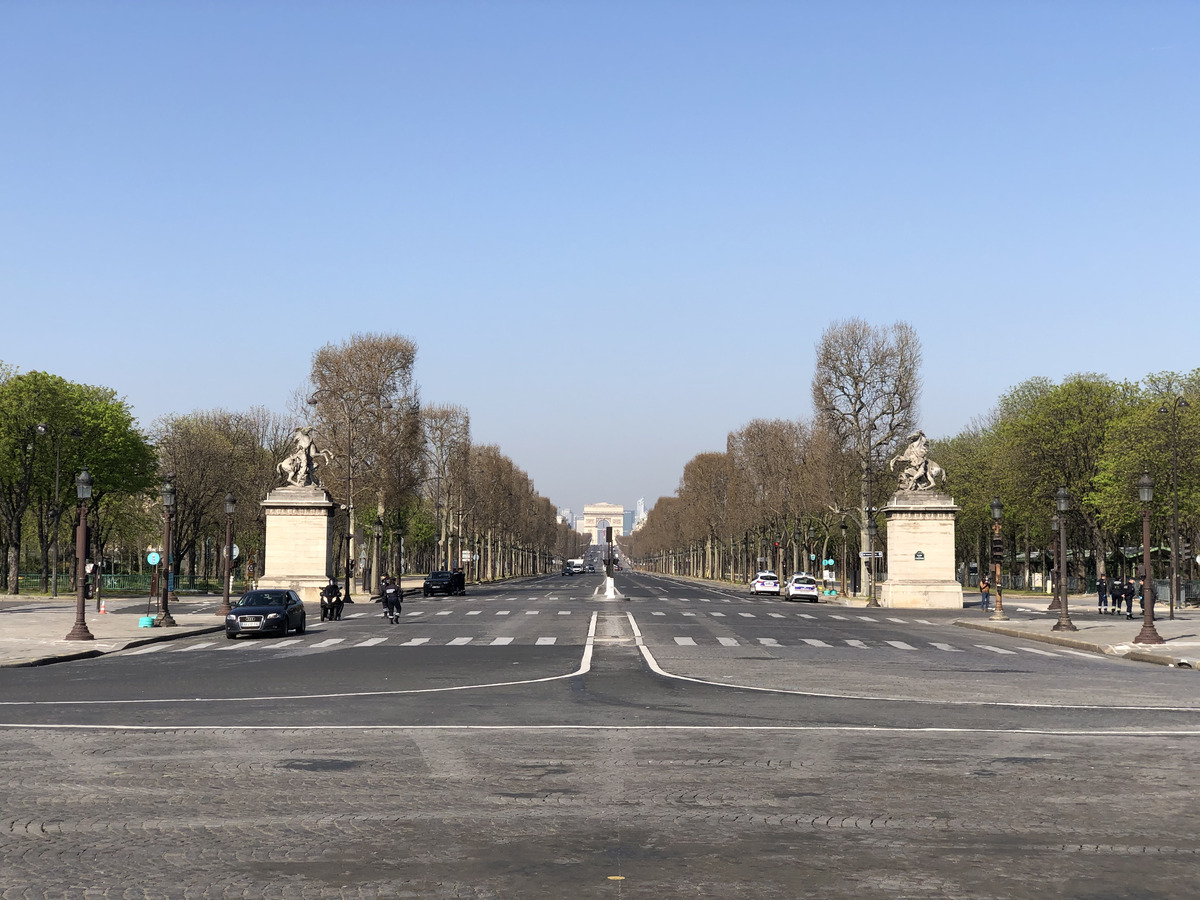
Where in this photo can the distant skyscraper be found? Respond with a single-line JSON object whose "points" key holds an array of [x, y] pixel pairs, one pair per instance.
{"points": [[639, 514]]}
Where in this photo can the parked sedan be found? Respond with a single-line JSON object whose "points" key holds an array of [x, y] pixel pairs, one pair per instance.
{"points": [[765, 583], [266, 612], [447, 583], [803, 587]]}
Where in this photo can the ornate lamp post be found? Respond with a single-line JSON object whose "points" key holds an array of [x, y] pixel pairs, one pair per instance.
{"points": [[1062, 499], [998, 559], [843, 527], [83, 491], [1177, 404], [230, 506], [871, 532], [1149, 634], [164, 619]]}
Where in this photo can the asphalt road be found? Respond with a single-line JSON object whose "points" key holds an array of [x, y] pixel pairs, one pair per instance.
{"points": [[536, 740]]}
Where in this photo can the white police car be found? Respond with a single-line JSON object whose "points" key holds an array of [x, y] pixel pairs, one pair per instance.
{"points": [[765, 582], [803, 587]]}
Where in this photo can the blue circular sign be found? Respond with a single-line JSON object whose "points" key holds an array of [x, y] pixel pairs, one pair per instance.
{"points": [[152, 558]]}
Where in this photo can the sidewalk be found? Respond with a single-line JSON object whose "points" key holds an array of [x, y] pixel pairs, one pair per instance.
{"points": [[33, 629], [1109, 634]]}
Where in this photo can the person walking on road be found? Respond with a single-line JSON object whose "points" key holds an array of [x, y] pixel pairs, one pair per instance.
{"points": [[392, 598], [985, 594], [1102, 595]]}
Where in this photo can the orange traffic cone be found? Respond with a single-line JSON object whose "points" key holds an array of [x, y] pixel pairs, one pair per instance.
{"points": [[102, 609]]}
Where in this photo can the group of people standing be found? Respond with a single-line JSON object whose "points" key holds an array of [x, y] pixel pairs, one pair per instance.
{"points": [[390, 594], [1119, 591]]}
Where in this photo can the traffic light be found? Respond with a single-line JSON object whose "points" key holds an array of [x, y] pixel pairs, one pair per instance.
{"points": [[777, 545], [997, 549], [87, 587]]}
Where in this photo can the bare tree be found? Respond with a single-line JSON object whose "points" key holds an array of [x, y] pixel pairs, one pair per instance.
{"points": [[865, 390]]}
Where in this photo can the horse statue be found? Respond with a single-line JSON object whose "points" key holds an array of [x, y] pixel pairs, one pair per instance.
{"points": [[299, 469], [920, 473]]}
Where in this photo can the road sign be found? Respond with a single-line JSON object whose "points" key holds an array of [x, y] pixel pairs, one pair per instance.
{"points": [[236, 551], [153, 558], [466, 556], [867, 554], [475, 558]]}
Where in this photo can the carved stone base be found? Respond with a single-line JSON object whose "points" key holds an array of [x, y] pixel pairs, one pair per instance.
{"points": [[920, 552], [299, 541]]}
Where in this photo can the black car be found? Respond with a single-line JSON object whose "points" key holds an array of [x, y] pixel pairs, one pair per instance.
{"points": [[447, 583], [266, 612]]}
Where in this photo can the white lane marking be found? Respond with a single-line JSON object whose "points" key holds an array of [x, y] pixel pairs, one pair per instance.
{"points": [[859, 644], [813, 642], [415, 642], [717, 615], [504, 612], [705, 600], [1038, 652], [687, 614], [778, 616], [474, 612], [501, 642], [946, 647], [747, 615], [407, 614], [867, 619], [565, 612], [658, 614], [277, 644], [371, 642], [685, 641], [996, 649], [149, 648], [807, 616], [925, 622], [328, 643], [355, 615], [899, 621], [532, 612], [900, 645], [728, 642], [195, 647], [240, 645], [839, 618], [444, 612], [768, 642], [545, 641], [458, 642]]}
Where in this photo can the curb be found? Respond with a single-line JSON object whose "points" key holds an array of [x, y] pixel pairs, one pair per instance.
{"points": [[1160, 659], [171, 635]]}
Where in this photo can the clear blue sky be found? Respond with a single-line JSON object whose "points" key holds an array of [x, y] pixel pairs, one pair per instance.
{"points": [[614, 229]]}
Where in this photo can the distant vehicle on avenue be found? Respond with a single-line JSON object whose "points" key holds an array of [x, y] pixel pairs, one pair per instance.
{"points": [[803, 587], [448, 583], [765, 582], [266, 612]]}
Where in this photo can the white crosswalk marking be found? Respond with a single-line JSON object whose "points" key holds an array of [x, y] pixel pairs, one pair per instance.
{"points": [[925, 622], [685, 641], [504, 612], [705, 600], [458, 642], [747, 615], [688, 614], [545, 641], [241, 645], [900, 645], [946, 647], [658, 614], [839, 618], [444, 612], [1038, 652], [474, 612], [778, 616], [277, 644], [807, 616], [328, 643], [996, 649], [768, 642], [564, 612], [813, 642], [149, 648], [194, 647], [415, 642], [501, 642], [868, 619], [859, 644], [411, 614], [532, 612], [354, 615], [898, 621], [728, 642], [717, 615], [371, 642]]}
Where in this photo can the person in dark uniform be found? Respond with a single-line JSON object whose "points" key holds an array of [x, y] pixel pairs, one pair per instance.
{"points": [[1128, 593], [331, 601], [392, 598], [1102, 595]]}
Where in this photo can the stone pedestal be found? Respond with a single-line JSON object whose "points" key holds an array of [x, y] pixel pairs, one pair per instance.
{"points": [[299, 541], [920, 552]]}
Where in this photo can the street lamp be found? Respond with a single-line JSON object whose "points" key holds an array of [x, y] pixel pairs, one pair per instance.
{"points": [[164, 619], [83, 491], [1177, 404], [843, 527], [1062, 500], [230, 506], [998, 558], [1148, 634], [871, 532]]}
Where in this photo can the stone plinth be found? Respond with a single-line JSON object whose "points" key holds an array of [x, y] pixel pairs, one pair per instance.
{"points": [[920, 552], [299, 541]]}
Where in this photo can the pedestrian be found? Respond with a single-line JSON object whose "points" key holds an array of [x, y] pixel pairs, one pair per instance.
{"points": [[392, 598], [1128, 593], [1102, 595], [985, 594], [331, 601]]}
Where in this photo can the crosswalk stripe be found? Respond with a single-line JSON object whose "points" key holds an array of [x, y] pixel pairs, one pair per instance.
{"points": [[354, 616], [807, 616], [839, 618], [504, 612], [532, 612], [728, 642], [685, 641], [414, 614], [688, 614], [813, 642], [898, 621], [1038, 652], [859, 644], [658, 614], [241, 645], [545, 641], [996, 649], [501, 642], [328, 643], [868, 619], [778, 616], [194, 647], [415, 642], [925, 622], [564, 612], [458, 642], [946, 647], [747, 615], [718, 615], [277, 644], [149, 648], [768, 642], [900, 645], [444, 612], [371, 642], [474, 612]]}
